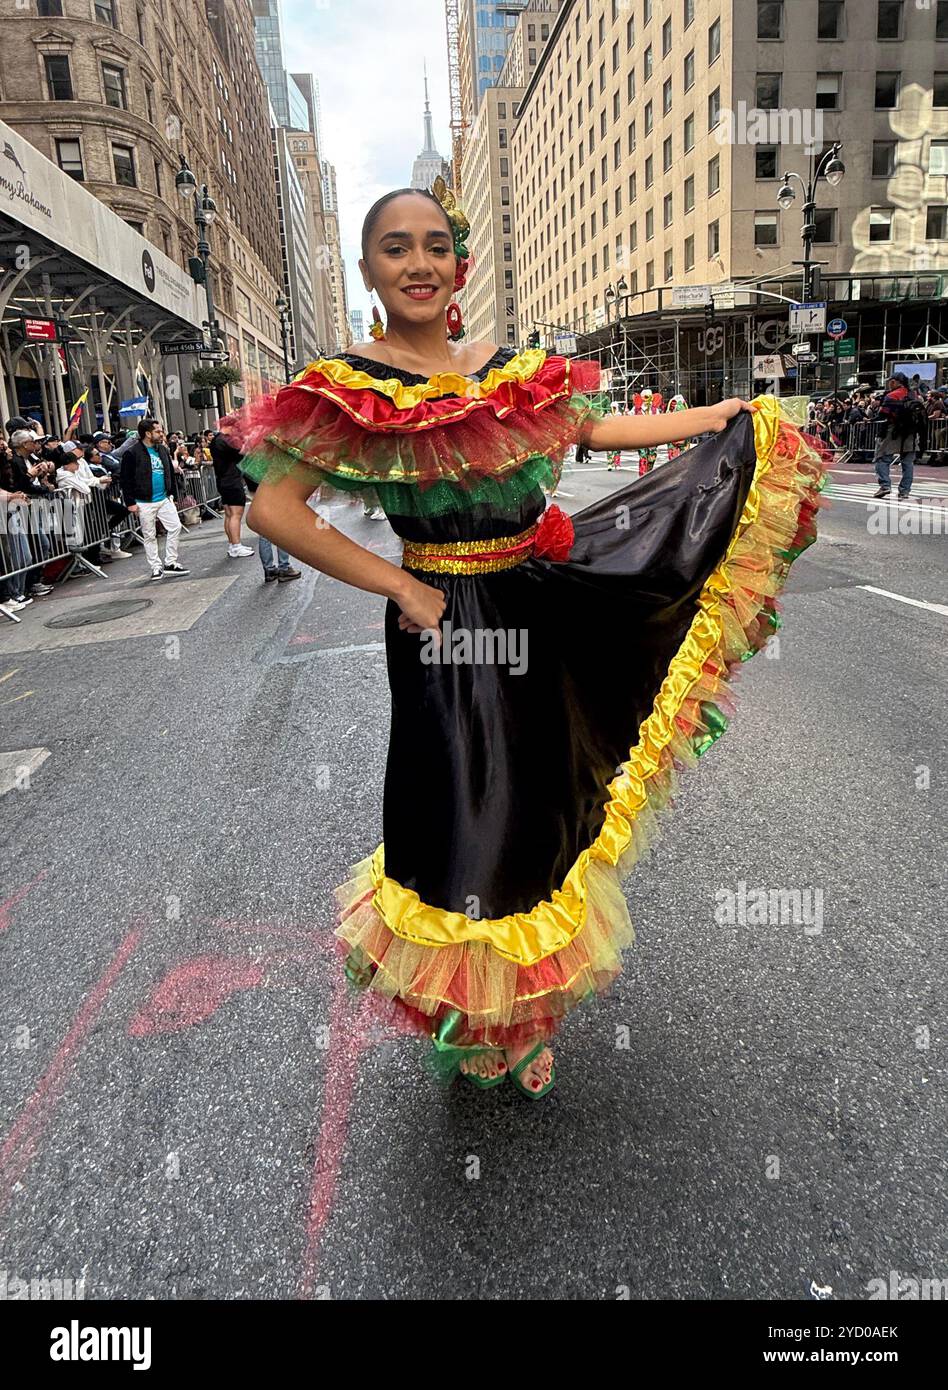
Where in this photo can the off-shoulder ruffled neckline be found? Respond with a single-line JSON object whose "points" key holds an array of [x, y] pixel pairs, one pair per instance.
{"points": [[383, 370]]}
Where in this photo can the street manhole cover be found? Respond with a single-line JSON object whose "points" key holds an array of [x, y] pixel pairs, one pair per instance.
{"points": [[101, 613]]}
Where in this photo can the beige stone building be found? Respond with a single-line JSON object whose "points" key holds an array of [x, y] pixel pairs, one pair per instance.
{"points": [[337, 266], [115, 91], [309, 168], [653, 137]]}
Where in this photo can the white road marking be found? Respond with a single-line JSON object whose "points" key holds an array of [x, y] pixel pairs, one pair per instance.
{"points": [[915, 602], [13, 764]]}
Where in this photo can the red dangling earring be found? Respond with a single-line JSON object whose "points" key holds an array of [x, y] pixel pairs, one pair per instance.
{"points": [[455, 320]]}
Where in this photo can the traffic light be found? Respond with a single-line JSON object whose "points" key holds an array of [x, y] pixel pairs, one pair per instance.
{"points": [[534, 339], [201, 400], [196, 269], [816, 284]]}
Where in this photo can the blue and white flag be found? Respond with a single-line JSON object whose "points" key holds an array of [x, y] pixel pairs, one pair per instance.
{"points": [[137, 406]]}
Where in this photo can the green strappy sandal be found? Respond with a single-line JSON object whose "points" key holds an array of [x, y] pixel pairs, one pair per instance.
{"points": [[522, 1065]]}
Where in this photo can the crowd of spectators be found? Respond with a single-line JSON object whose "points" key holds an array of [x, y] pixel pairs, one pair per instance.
{"points": [[35, 466], [834, 417]]}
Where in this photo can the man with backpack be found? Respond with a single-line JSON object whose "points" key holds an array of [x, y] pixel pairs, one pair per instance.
{"points": [[903, 433]]}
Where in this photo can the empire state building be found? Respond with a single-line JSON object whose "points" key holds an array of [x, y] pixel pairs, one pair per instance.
{"points": [[429, 164]]}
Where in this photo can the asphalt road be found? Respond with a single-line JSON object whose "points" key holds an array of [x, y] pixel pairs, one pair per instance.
{"points": [[193, 1105]]}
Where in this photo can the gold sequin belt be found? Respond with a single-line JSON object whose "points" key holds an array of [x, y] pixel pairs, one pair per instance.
{"points": [[470, 557]]}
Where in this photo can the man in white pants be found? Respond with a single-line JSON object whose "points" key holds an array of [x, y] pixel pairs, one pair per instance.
{"points": [[148, 489]]}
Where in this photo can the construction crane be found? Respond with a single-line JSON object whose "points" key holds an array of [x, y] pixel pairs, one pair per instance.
{"points": [[458, 123]]}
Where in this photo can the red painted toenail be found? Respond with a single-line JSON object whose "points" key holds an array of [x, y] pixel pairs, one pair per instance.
{"points": [[536, 1085]]}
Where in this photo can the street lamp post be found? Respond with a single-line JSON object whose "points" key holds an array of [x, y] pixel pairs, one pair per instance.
{"points": [[830, 167], [283, 310], [205, 210]]}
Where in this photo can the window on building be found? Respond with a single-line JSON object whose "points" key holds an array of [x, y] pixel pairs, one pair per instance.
{"points": [[828, 86], [634, 236], [505, 195], [649, 122], [666, 96], [690, 252], [58, 79], [714, 239], [158, 188], [767, 91], [632, 188], [667, 37], [647, 63], [883, 158], [505, 223], [504, 167], [113, 82], [646, 11], [649, 224], [667, 156], [714, 108], [689, 193], [502, 110], [689, 13], [667, 210], [887, 90], [829, 23], [669, 266], [69, 158], [714, 41], [508, 279], [889, 19], [49, 9], [941, 20], [124, 166], [938, 157], [650, 275], [935, 223], [689, 132], [105, 12], [631, 136], [649, 172], [765, 229], [765, 162], [689, 70], [940, 90], [880, 224], [714, 174], [770, 19], [824, 220], [508, 254]]}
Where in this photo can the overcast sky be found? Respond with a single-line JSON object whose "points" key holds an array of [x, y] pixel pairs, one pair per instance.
{"points": [[368, 56]]}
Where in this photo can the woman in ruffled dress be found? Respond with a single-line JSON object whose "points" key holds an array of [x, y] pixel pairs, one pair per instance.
{"points": [[548, 675]]}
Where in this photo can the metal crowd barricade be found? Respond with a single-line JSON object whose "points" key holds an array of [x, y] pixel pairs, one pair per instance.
{"points": [[938, 441], [63, 524], [861, 439]]}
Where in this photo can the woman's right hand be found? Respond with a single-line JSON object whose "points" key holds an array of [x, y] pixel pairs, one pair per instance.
{"points": [[422, 607]]}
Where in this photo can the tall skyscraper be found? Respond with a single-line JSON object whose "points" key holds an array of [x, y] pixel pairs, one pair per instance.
{"points": [[430, 163]]}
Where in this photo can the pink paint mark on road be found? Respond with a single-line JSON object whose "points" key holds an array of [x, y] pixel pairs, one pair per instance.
{"points": [[192, 991], [14, 900], [351, 1033], [20, 1145]]}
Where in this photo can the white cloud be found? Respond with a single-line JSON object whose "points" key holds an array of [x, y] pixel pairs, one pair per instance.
{"points": [[368, 57]]}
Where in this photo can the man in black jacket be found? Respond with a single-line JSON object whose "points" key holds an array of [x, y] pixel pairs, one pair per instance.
{"points": [[148, 486]]}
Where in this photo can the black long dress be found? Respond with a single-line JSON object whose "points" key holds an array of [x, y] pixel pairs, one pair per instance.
{"points": [[574, 678]]}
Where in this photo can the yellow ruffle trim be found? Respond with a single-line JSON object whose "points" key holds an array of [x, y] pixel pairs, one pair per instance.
{"points": [[729, 605], [520, 368]]}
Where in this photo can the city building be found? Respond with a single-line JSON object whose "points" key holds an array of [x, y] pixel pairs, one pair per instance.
{"points": [[296, 246], [649, 153], [337, 266], [430, 164], [119, 93]]}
